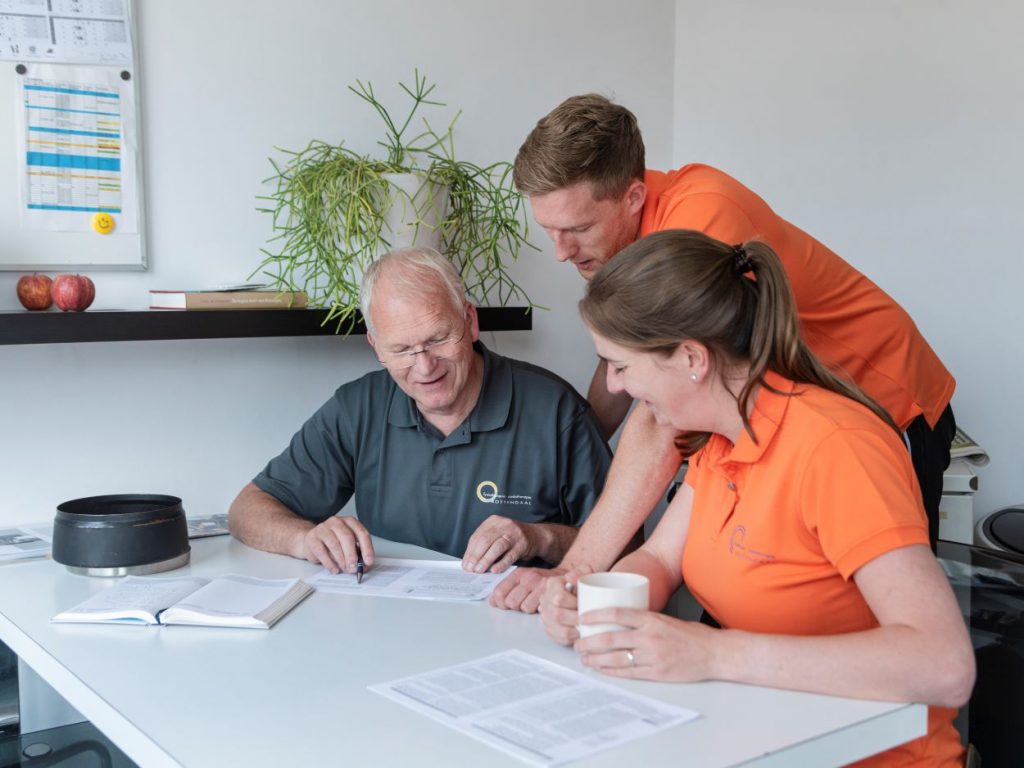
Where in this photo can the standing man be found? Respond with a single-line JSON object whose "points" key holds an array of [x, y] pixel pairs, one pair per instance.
{"points": [[450, 447], [583, 169]]}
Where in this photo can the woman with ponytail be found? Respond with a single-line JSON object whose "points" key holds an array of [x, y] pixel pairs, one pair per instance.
{"points": [[799, 526]]}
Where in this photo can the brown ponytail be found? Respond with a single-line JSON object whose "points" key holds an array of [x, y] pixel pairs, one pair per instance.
{"points": [[681, 284]]}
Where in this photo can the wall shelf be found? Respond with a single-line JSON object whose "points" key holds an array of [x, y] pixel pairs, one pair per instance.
{"points": [[54, 327]]}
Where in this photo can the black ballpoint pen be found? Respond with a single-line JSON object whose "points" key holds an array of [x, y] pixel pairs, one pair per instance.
{"points": [[360, 565]]}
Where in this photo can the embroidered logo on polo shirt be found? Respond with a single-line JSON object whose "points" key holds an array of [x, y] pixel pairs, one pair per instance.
{"points": [[739, 549], [487, 492]]}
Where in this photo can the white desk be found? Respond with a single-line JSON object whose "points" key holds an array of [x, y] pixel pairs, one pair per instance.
{"points": [[296, 695]]}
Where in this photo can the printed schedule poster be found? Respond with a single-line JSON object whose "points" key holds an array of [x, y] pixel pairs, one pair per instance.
{"points": [[77, 155], [66, 31]]}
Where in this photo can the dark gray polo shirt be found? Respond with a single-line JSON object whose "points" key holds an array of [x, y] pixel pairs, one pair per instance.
{"points": [[530, 450]]}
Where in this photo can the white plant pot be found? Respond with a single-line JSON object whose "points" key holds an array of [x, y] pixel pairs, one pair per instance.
{"points": [[413, 217]]}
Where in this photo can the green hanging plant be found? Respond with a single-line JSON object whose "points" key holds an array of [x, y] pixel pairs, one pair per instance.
{"points": [[332, 211]]}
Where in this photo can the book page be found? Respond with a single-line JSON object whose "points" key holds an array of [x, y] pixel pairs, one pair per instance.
{"points": [[423, 579], [137, 598], [231, 599], [532, 709]]}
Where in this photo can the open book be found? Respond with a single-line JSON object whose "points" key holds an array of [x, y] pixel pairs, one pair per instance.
{"points": [[227, 601]]}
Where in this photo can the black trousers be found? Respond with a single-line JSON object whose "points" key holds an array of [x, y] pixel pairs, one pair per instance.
{"points": [[929, 452]]}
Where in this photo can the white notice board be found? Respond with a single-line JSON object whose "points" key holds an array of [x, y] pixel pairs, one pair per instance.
{"points": [[70, 152]]}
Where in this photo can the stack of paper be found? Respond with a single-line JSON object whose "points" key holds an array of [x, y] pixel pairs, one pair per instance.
{"points": [[964, 447], [208, 525], [25, 542]]}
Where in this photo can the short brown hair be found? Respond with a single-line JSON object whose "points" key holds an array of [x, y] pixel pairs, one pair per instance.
{"points": [[584, 139]]}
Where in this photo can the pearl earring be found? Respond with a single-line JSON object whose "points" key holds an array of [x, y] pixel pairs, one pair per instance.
{"points": [[693, 377]]}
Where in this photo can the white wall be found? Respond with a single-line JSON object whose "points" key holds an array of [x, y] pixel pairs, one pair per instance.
{"points": [[222, 84], [891, 130], [887, 129]]}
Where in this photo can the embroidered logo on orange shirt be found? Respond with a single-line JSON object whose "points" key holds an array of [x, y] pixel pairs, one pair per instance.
{"points": [[739, 549]]}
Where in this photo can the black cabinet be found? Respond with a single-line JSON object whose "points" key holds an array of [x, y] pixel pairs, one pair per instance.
{"points": [[989, 585]]}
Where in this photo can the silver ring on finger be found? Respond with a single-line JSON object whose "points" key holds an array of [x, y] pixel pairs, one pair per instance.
{"points": [[631, 658]]}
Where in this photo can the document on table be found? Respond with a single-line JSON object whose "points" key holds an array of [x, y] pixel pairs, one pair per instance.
{"points": [[423, 579], [25, 541], [208, 525], [539, 712]]}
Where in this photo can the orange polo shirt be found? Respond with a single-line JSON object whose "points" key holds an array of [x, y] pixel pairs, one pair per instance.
{"points": [[779, 527], [847, 320]]}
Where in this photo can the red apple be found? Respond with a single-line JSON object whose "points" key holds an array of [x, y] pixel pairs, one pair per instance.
{"points": [[73, 292], [34, 291]]}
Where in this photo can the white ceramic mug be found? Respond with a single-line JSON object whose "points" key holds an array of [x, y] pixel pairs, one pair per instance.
{"points": [[610, 590]]}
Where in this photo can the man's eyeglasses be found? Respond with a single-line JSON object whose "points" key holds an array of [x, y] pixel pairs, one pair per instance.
{"points": [[439, 350]]}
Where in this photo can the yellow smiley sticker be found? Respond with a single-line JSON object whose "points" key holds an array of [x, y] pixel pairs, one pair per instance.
{"points": [[103, 223]]}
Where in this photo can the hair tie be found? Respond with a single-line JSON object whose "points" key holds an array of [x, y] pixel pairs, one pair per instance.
{"points": [[741, 261]]}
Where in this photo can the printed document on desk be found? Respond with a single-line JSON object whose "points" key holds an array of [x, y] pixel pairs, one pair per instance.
{"points": [[421, 579], [532, 709], [207, 525], [25, 542]]}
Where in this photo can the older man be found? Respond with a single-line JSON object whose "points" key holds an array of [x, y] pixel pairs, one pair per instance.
{"points": [[451, 447], [583, 169]]}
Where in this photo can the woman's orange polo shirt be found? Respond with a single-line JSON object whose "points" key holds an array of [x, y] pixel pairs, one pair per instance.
{"points": [[779, 527]]}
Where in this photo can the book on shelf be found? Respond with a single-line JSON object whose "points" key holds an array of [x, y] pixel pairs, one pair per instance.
{"points": [[240, 287], [226, 601], [964, 447], [264, 298]]}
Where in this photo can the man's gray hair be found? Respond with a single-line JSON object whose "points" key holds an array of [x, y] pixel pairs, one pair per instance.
{"points": [[414, 273]]}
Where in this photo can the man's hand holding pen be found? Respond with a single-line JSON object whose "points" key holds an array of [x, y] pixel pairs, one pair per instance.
{"points": [[341, 545]]}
